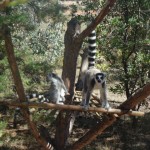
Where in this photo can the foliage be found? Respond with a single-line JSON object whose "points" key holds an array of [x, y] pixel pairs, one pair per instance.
{"points": [[3, 125], [90, 10], [47, 116], [38, 46], [17, 2], [124, 41], [5, 77], [47, 42]]}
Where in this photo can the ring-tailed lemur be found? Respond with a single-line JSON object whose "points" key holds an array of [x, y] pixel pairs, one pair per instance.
{"points": [[56, 94], [93, 77], [57, 89]]}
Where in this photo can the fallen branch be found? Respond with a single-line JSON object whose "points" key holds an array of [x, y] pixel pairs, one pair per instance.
{"points": [[72, 107]]}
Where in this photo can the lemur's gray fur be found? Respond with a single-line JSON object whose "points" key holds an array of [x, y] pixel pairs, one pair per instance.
{"points": [[57, 89], [93, 77], [56, 94]]}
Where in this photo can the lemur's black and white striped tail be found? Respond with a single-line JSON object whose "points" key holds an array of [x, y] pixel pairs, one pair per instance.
{"points": [[92, 49], [41, 97]]}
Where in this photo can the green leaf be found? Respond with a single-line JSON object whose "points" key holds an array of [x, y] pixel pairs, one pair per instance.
{"points": [[17, 2]]}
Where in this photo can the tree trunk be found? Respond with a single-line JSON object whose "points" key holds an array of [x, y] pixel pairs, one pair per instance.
{"points": [[72, 48], [19, 85], [83, 68]]}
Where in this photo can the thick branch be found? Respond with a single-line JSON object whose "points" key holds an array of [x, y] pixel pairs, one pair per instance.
{"points": [[71, 107], [18, 83], [105, 10], [136, 98], [99, 128]]}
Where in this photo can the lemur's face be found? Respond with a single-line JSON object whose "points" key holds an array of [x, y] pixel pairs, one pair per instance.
{"points": [[100, 77]]}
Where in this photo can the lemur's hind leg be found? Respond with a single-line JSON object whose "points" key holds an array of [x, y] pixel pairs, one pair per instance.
{"points": [[103, 94]]}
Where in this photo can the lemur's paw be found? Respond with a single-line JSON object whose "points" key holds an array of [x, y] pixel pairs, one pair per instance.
{"points": [[61, 103], [83, 103], [106, 106]]}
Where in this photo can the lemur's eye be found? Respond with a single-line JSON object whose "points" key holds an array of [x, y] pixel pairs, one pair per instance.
{"points": [[97, 77]]}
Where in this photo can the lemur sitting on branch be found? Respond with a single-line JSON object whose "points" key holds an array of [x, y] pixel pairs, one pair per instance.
{"points": [[56, 94]]}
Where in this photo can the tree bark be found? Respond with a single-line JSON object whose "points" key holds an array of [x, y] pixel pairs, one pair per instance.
{"points": [[83, 68], [72, 47], [19, 85], [71, 107]]}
